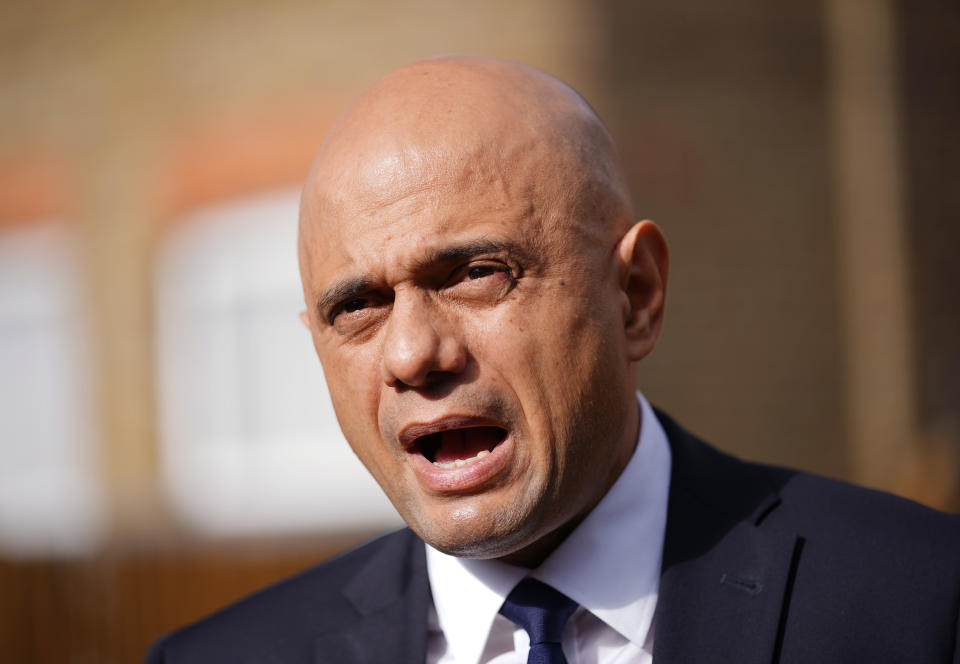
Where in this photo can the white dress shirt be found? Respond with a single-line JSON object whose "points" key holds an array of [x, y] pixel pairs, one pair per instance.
{"points": [[610, 565]]}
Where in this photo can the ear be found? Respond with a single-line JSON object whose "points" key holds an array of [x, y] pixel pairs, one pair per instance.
{"points": [[305, 319], [643, 264]]}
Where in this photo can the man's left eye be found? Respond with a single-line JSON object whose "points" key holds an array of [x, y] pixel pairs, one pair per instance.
{"points": [[480, 271], [488, 281]]}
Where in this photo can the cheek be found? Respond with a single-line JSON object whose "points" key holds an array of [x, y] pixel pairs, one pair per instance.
{"points": [[561, 366], [353, 384], [504, 344], [543, 341], [531, 353]]}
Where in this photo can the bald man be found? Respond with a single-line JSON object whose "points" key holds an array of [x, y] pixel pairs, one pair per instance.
{"points": [[477, 290]]}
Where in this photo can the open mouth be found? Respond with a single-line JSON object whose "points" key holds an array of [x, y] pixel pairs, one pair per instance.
{"points": [[457, 447]]}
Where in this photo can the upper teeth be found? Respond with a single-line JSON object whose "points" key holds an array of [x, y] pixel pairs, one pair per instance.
{"points": [[456, 463]]}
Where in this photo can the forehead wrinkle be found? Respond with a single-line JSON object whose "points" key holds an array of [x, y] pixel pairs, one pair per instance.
{"points": [[394, 176], [440, 194], [445, 168]]}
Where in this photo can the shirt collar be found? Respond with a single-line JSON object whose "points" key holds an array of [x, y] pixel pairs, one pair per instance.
{"points": [[610, 564]]}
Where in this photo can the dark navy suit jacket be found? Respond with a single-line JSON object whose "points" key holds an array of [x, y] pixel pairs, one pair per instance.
{"points": [[760, 564]]}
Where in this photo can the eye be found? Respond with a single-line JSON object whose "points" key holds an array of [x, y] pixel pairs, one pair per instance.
{"points": [[356, 304], [486, 281], [351, 310], [480, 271]]}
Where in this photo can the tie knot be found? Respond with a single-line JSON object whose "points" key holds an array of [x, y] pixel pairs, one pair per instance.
{"points": [[541, 610]]}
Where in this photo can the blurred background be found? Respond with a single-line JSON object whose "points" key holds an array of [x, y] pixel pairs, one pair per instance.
{"points": [[166, 442]]}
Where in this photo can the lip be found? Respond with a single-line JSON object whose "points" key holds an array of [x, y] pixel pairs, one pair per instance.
{"points": [[470, 478]]}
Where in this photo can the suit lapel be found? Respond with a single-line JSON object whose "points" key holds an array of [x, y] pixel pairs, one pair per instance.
{"points": [[726, 581], [390, 595]]}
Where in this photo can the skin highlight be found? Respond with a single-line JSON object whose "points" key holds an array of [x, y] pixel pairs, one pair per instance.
{"points": [[470, 262]]}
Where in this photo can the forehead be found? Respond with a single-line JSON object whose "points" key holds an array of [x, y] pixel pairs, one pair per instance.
{"points": [[398, 218], [392, 204]]}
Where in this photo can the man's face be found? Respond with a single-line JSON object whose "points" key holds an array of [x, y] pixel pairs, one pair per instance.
{"points": [[470, 330]]}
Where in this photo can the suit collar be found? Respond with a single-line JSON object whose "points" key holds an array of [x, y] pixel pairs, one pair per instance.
{"points": [[390, 596], [726, 580]]}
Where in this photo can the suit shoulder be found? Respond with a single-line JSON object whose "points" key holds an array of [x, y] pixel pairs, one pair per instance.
{"points": [[278, 623], [827, 513], [838, 507], [727, 483], [865, 537], [867, 575]]}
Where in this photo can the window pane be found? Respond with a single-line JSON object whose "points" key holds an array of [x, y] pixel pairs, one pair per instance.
{"points": [[250, 442], [49, 496]]}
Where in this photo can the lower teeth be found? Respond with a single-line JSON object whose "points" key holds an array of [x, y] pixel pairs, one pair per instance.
{"points": [[456, 463]]}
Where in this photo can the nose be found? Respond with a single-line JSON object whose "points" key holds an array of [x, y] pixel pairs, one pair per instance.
{"points": [[420, 345]]}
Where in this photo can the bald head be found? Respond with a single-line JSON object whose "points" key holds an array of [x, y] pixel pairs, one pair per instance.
{"points": [[455, 122]]}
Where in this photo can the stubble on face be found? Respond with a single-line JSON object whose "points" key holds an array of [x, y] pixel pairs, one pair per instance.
{"points": [[456, 142]]}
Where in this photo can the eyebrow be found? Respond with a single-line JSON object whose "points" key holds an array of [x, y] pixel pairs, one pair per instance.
{"points": [[339, 292], [466, 250], [351, 288]]}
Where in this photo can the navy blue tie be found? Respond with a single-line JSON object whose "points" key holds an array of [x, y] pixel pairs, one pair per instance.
{"points": [[543, 612]]}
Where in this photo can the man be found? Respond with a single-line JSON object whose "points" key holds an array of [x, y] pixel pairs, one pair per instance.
{"points": [[477, 291]]}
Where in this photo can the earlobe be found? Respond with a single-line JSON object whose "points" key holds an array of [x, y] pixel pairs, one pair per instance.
{"points": [[643, 266]]}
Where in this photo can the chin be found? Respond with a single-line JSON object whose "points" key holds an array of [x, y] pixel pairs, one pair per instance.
{"points": [[486, 548], [468, 534]]}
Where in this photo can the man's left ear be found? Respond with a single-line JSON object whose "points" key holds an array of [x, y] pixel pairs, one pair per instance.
{"points": [[643, 264]]}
